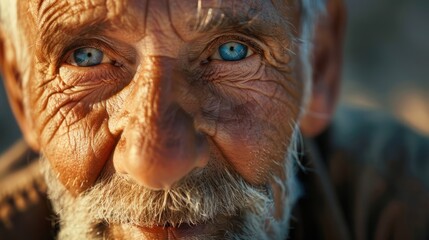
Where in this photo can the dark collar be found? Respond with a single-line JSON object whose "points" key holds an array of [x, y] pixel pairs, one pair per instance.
{"points": [[317, 214]]}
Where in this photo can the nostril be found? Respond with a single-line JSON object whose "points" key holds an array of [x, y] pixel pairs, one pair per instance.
{"points": [[158, 153]]}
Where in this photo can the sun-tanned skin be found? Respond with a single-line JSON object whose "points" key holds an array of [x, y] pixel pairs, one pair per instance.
{"points": [[158, 111], [162, 104], [181, 119]]}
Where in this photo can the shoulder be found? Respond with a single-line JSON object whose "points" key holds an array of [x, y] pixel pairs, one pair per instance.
{"points": [[379, 140], [380, 171], [24, 208]]}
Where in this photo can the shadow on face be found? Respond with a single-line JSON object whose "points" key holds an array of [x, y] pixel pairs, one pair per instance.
{"points": [[152, 90]]}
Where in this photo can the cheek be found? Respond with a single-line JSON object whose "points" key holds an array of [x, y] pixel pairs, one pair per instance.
{"points": [[257, 147], [72, 123], [80, 154], [255, 143]]}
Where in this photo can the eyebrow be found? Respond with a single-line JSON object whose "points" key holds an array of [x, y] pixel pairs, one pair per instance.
{"points": [[252, 21], [56, 40], [211, 19]]}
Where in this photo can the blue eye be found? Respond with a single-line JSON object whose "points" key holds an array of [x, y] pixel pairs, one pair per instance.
{"points": [[233, 51], [87, 57]]}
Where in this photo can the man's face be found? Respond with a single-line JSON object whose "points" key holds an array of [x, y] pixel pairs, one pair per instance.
{"points": [[165, 113]]}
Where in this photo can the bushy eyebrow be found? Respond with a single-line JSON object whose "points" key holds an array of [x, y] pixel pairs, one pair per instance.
{"points": [[53, 42], [251, 20], [60, 25]]}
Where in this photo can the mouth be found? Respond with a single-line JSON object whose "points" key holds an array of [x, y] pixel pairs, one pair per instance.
{"points": [[168, 231]]}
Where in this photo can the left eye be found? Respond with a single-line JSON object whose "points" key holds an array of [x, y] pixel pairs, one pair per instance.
{"points": [[87, 57], [232, 51]]}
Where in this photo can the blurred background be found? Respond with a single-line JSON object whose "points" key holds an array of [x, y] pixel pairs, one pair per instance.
{"points": [[386, 63], [386, 60]]}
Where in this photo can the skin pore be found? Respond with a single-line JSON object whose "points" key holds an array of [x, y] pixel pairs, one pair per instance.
{"points": [[163, 138]]}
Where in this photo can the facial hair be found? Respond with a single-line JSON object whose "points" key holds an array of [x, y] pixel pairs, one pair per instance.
{"points": [[206, 196]]}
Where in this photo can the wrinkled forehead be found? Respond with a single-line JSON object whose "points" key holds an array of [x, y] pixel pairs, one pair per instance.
{"points": [[187, 7], [201, 15]]}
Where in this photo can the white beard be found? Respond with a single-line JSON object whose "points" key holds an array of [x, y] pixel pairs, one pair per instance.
{"points": [[114, 201]]}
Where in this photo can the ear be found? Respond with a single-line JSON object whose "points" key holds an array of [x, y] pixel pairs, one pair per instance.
{"points": [[327, 61], [12, 79]]}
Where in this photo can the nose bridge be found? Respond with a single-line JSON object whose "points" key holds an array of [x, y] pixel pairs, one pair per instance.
{"points": [[154, 103], [153, 91], [159, 51], [160, 143]]}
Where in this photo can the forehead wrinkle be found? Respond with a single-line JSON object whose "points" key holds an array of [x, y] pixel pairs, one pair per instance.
{"points": [[52, 12], [170, 18], [72, 14], [58, 21]]}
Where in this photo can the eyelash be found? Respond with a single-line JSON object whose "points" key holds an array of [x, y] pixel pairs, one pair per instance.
{"points": [[206, 53], [215, 44], [92, 43]]}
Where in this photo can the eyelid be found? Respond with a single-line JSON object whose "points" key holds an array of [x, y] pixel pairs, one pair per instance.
{"points": [[70, 59], [252, 44], [108, 51], [216, 54]]}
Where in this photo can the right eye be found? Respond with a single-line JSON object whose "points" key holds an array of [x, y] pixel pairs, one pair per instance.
{"points": [[87, 57]]}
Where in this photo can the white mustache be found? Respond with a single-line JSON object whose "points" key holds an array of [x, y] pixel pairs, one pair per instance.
{"points": [[205, 196], [201, 197]]}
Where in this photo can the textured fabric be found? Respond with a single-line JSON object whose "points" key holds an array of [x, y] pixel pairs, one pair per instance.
{"points": [[366, 177], [25, 211], [378, 170]]}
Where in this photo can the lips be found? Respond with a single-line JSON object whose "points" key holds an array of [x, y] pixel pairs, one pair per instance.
{"points": [[178, 232]]}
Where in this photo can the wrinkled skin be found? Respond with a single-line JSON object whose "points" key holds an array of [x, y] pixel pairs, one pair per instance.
{"points": [[163, 103], [158, 113]]}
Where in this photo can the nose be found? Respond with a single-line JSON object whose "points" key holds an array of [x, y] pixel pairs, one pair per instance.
{"points": [[159, 144]]}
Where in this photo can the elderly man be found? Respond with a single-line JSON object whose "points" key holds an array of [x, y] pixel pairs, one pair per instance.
{"points": [[181, 120]]}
